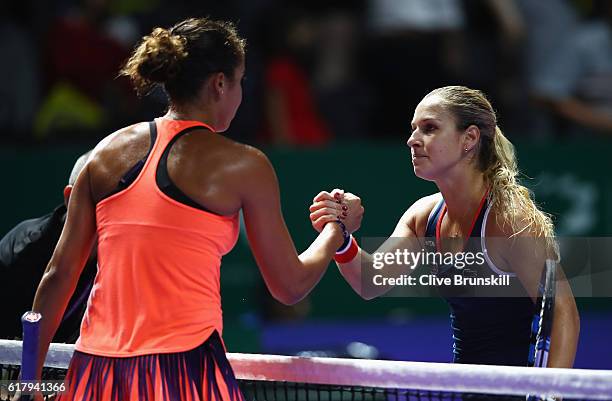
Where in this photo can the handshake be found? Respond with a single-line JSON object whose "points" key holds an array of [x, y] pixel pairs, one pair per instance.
{"points": [[336, 205]]}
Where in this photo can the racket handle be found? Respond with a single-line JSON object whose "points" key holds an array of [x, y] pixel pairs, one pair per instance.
{"points": [[29, 353]]}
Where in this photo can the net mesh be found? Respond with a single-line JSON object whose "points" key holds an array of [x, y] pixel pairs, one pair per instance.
{"points": [[268, 377]]}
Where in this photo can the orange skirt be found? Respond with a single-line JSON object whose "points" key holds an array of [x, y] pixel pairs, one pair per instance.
{"points": [[201, 374]]}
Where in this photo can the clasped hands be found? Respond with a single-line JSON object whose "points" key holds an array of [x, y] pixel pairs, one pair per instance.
{"points": [[336, 205]]}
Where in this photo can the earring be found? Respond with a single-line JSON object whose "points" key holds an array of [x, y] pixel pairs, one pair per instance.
{"points": [[466, 149]]}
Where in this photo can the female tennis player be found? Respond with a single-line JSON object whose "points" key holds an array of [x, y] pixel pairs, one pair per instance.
{"points": [[163, 198], [456, 143]]}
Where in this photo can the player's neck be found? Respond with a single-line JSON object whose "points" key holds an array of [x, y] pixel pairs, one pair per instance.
{"points": [[191, 114], [463, 194]]}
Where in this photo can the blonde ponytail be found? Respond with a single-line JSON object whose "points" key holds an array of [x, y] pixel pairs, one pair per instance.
{"points": [[511, 199]]}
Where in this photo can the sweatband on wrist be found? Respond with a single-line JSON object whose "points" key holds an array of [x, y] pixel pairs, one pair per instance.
{"points": [[348, 253]]}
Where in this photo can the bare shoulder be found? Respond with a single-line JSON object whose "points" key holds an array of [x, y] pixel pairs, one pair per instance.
{"points": [[247, 160], [121, 142], [519, 245], [516, 240], [425, 205], [418, 213], [114, 155], [246, 169], [518, 226]]}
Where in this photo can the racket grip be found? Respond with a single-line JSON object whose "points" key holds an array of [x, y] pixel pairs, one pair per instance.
{"points": [[30, 322]]}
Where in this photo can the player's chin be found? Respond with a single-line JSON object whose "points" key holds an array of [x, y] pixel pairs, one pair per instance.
{"points": [[422, 173]]}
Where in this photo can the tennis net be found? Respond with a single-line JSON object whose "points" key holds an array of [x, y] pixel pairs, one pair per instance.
{"points": [[272, 377]]}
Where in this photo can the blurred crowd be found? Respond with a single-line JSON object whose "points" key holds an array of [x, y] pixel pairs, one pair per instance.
{"points": [[317, 71]]}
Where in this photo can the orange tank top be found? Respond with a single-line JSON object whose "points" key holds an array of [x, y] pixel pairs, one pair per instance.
{"points": [[157, 287]]}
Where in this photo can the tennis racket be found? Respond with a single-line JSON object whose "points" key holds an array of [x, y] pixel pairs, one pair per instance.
{"points": [[29, 353], [541, 326]]}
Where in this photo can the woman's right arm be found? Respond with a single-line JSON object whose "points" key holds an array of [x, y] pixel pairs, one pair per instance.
{"points": [[288, 276], [404, 237]]}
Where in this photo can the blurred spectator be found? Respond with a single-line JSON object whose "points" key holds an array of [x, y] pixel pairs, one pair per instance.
{"points": [[341, 90], [419, 45], [291, 115], [417, 15], [548, 26], [577, 82], [249, 17], [412, 50], [84, 51], [319, 72], [494, 37], [19, 92]]}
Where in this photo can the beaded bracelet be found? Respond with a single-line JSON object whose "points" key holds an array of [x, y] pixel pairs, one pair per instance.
{"points": [[345, 234]]}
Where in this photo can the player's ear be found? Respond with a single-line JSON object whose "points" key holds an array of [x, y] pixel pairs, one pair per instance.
{"points": [[471, 137], [67, 192]]}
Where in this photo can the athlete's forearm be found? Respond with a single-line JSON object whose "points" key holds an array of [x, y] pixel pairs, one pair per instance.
{"points": [[366, 273], [313, 263], [565, 331], [51, 300], [352, 272], [584, 114]]}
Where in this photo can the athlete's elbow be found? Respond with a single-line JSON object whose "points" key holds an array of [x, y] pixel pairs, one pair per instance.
{"points": [[367, 297], [280, 292], [55, 274], [290, 301], [51, 276], [50, 282], [287, 297], [368, 294]]}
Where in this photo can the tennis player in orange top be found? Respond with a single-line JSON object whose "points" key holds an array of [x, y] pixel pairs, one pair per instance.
{"points": [[163, 198]]}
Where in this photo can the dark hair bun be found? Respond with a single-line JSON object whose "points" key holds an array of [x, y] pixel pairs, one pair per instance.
{"points": [[180, 59], [156, 59]]}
